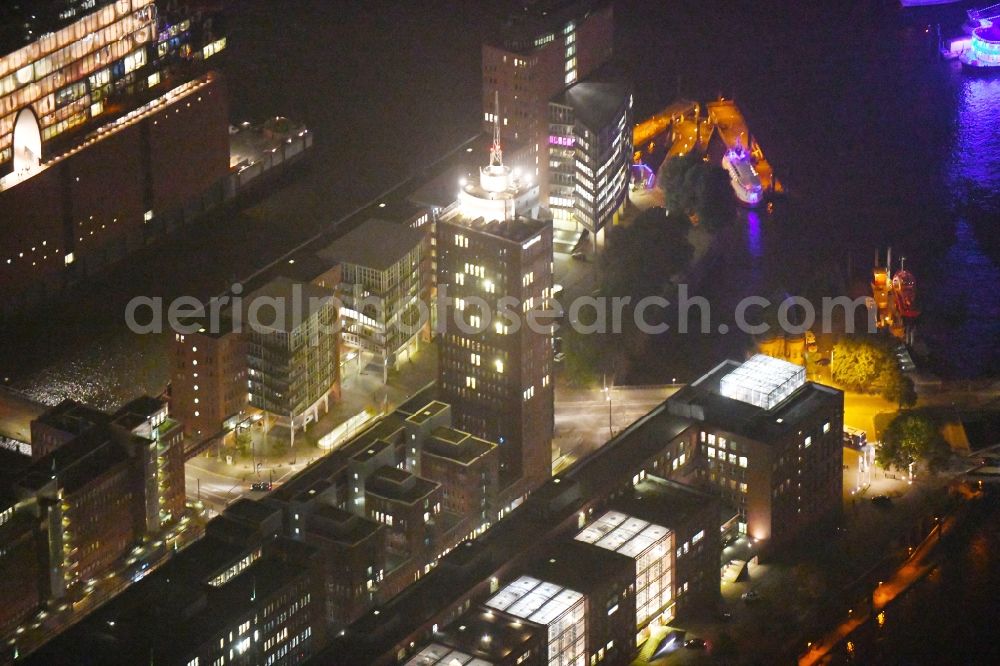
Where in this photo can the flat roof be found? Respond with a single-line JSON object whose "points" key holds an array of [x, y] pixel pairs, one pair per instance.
{"points": [[73, 417], [598, 99], [396, 484], [621, 533], [528, 21], [534, 600], [517, 230], [762, 381], [298, 302], [457, 445], [375, 244], [371, 450], [664, 502], [436, 654], [703, 401], [431, 409]]}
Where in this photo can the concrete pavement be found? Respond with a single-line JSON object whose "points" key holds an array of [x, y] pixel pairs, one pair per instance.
{"points": [[585, 419], [218, 482]]}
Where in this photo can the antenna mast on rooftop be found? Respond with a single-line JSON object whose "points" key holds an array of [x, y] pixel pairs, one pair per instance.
{"points": [[496, 154]]}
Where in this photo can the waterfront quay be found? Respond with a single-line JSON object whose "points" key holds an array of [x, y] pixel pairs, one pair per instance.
{"points": [[686, 127]]}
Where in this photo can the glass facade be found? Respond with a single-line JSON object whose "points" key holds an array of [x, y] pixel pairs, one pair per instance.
{"points": [[79, 71], [763, 381], [561, 610], [650, 545]]}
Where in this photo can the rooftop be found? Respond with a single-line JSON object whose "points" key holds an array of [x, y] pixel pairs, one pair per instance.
{"points": [[73, 417], [529, 21], [582, 567], [328, 522], [395, 484], [508, 636], [664, 502], [376, 244], [763, 381], [517, 230], [436, 654], [285, 304], [618, 532], [457, 445], [534, 600], [598, 100], [703, 400], [428, 411]]}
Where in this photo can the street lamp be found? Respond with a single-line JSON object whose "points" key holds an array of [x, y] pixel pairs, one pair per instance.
{"points": [[607, 395]]}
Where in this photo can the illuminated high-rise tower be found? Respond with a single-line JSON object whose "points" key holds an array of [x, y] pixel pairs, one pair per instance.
{"points": [[543, 49], [494, 265]]}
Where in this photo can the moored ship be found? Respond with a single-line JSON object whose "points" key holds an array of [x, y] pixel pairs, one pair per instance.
{"points": [[743, 176], [895, 296]]}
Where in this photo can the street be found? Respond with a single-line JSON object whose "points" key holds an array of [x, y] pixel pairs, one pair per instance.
{"points": [[585, 418]]}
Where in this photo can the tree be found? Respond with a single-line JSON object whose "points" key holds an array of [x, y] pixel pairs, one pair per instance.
{"points": [[860, 362], [899, 389], [583, 358], [640, 259], [912, 437], [698, 190]]}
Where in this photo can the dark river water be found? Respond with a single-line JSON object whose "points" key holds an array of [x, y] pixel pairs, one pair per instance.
{"points": [[878, 142], [949, 617]]}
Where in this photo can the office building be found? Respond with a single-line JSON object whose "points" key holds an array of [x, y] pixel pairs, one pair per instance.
{"points": [[636, 501], [378, 511], [105, 484], [23, 585], [97, 93], [292, 352], [495, 365], [384, 290], [590, 150], [770, 443], [542, 49], [62, 423], [239, 595], [208, 380], [686, 578], [354, 554], [483, 637]]}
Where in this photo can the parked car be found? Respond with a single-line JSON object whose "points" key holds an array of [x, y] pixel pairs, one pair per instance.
{"points": [[882, 500], [695, 644], [264, 486], [579, 255], [559, 357], [750, 596]]}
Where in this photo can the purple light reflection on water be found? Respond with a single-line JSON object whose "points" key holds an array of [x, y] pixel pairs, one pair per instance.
{"points": [[755, 243]]}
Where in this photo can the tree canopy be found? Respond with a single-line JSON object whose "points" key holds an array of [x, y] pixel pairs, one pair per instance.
{"points": [[912, 437], [640, 259], [698, 190], [866, 363]]}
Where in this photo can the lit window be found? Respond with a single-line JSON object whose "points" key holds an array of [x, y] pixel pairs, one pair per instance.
{"points": [[67, 260], [809, 441], [743, 461], [499, 365]]}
